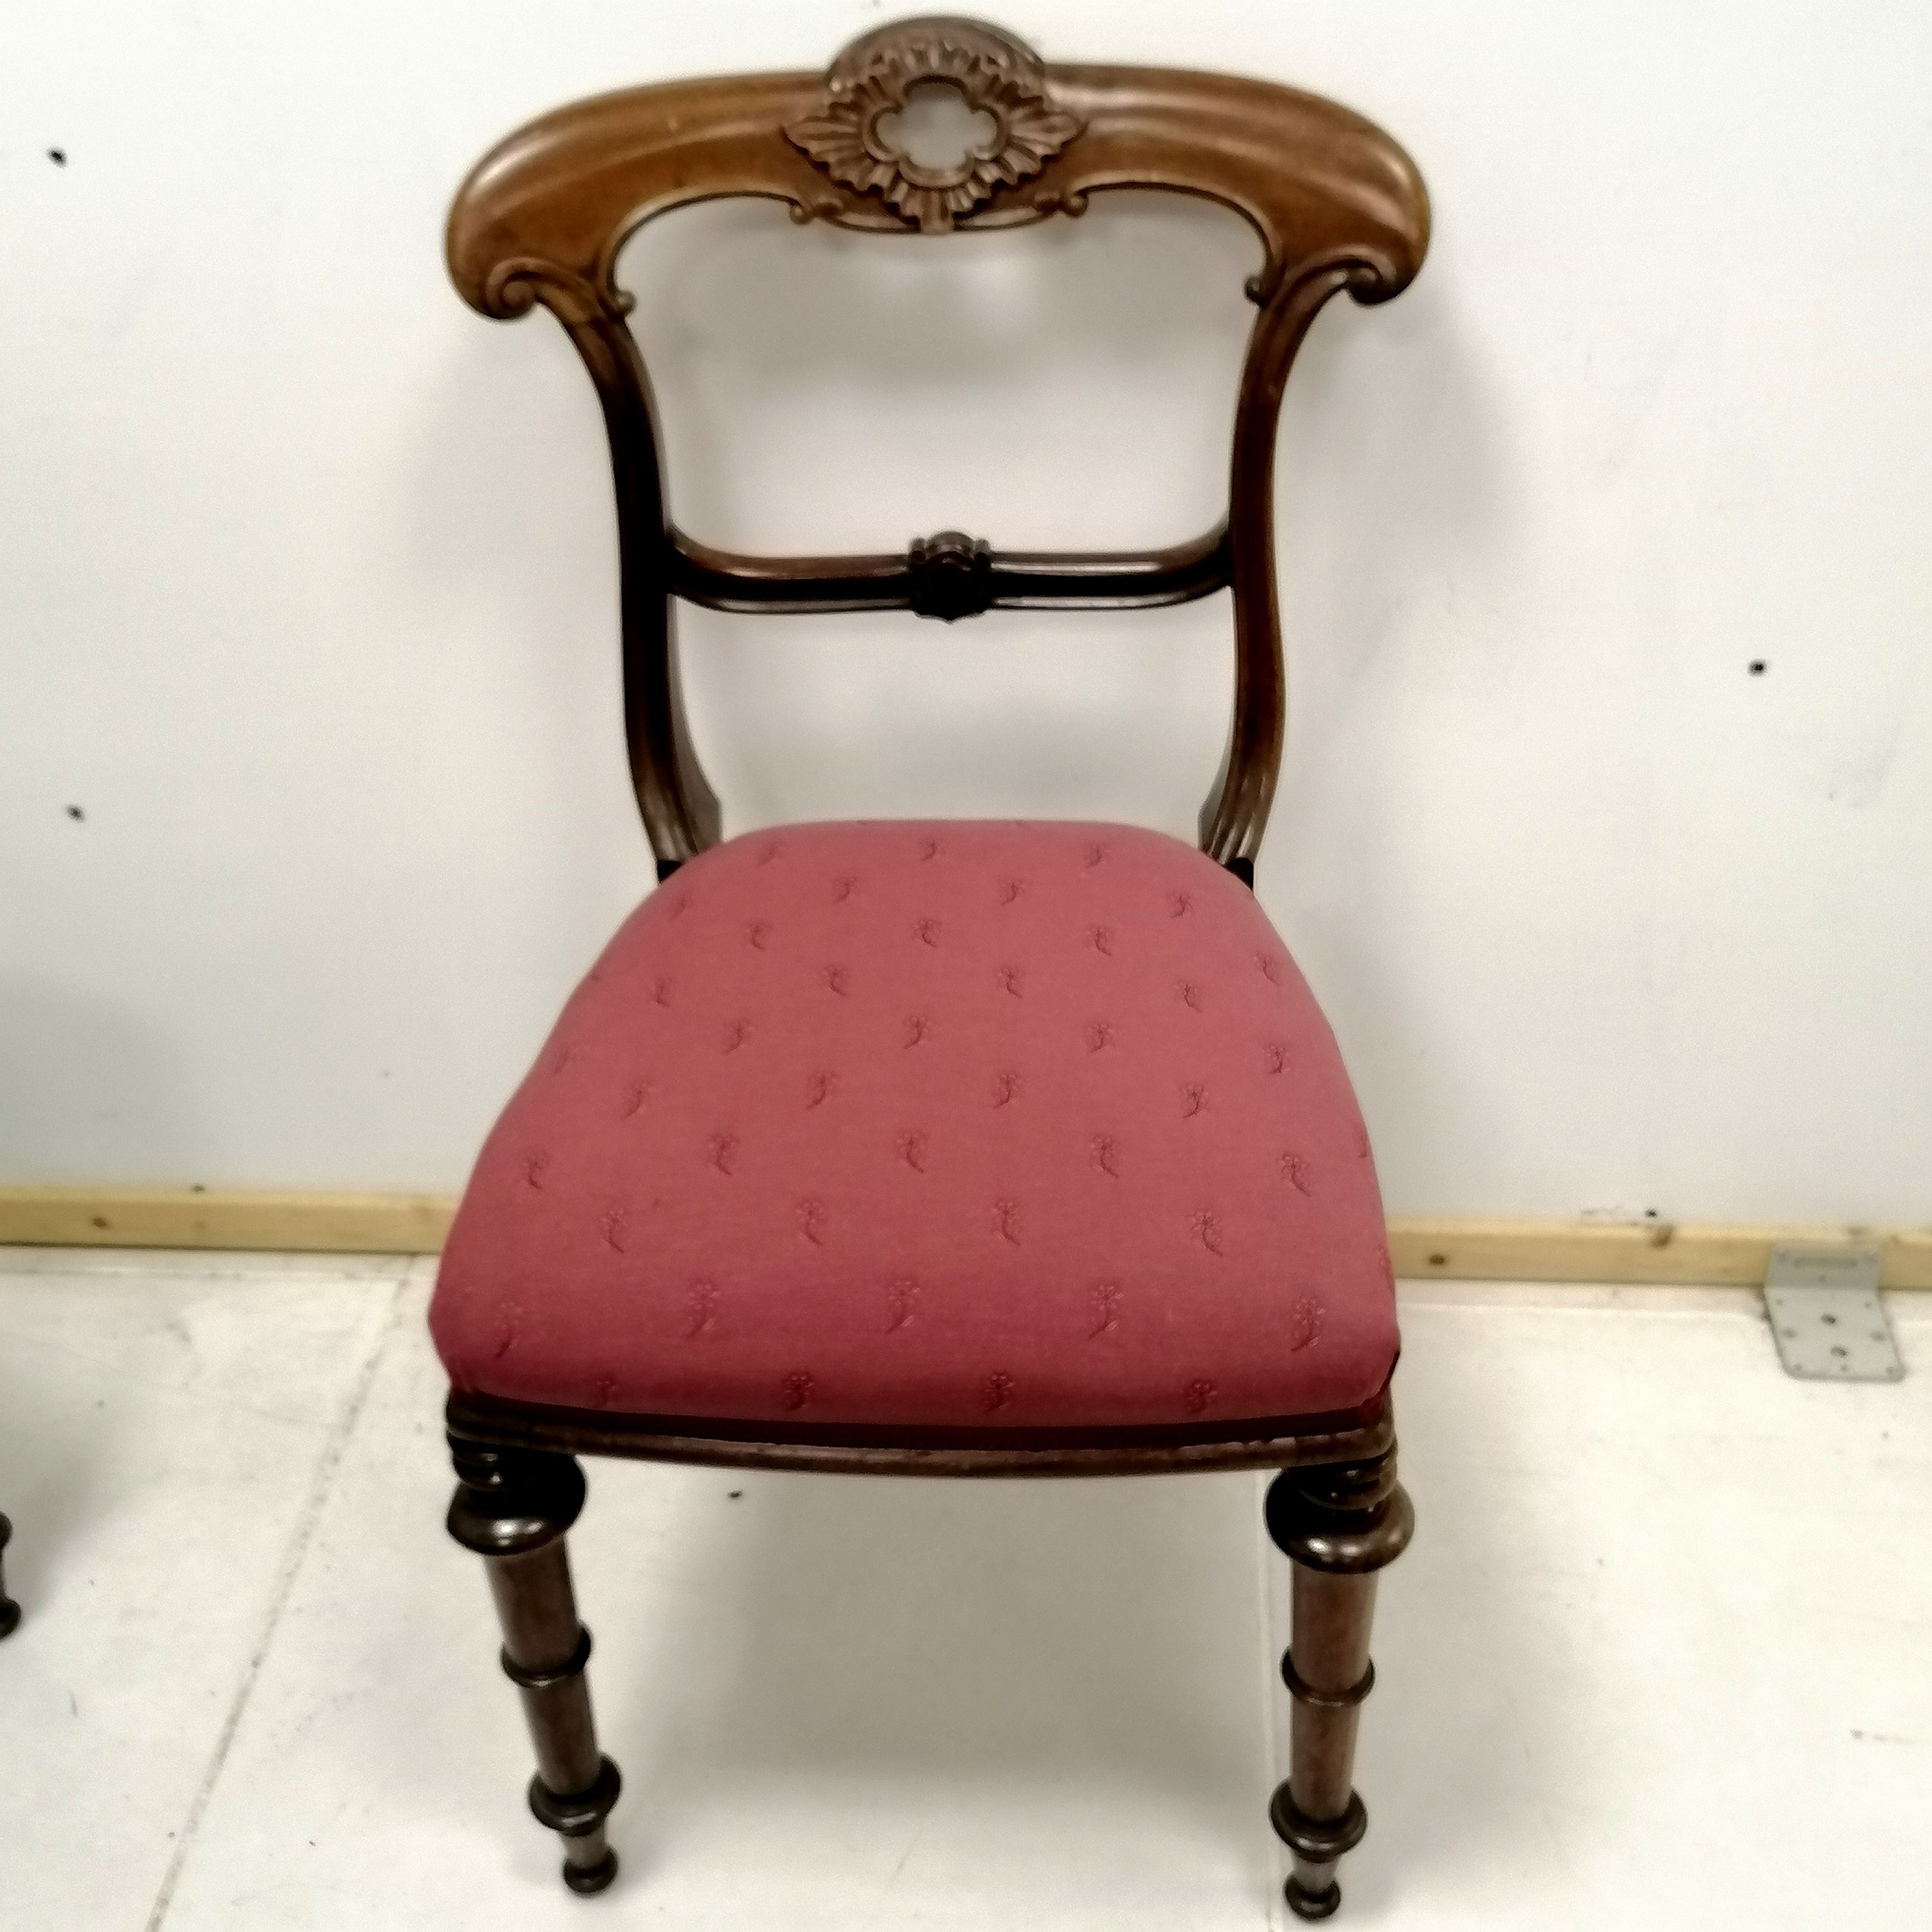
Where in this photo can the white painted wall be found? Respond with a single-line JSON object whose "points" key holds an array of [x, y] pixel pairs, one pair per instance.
{"points": [[307, 590]]}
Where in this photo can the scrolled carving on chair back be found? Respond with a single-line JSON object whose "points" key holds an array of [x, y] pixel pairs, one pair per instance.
{"points": [[855, 134], [544, 214], [542, 219]]}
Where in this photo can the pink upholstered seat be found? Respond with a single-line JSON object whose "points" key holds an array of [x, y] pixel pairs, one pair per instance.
{"points": [[952, 1126]]}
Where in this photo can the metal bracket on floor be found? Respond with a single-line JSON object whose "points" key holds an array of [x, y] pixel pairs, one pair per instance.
{"points": [[1827, 1317]]}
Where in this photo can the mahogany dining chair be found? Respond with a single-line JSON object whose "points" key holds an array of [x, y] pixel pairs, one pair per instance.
{"points": [[952, 1148]]}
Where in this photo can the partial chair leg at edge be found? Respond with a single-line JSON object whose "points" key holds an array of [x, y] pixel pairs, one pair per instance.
{"points": [[1339, 1526], [513, 1507], [9, 1609]]}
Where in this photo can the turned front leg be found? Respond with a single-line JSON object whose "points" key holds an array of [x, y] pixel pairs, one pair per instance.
{"points": [[513, 1507], [1339, 1526]]}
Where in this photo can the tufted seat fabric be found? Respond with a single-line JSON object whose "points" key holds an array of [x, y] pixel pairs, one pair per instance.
{"points": [[953, 1126]]}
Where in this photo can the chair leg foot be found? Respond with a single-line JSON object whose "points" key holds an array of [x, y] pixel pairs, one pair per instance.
{"points": [[584, 1880], [1305, 1904], [1339, 1526], [513, 1507]]}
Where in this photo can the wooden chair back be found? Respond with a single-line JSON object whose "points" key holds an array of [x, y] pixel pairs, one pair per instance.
{"points": [[542, 219]]}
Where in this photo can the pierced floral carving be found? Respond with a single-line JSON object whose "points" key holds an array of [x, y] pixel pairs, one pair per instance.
{"points": [[853, 134]]}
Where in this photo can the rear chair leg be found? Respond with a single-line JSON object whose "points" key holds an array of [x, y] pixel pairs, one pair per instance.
{"points": [[1339, 1525], [512, 1507]]}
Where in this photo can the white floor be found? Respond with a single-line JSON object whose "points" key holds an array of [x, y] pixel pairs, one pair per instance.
{"points": [[1662, 1654]]}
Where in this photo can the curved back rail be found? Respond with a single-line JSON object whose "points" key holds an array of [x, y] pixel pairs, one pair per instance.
{"points": [[542, 217]]}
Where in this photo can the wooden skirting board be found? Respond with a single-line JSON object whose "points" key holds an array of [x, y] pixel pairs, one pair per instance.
{"points": [[1712, 1253], [1658, 1252], [212, 1218]]}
